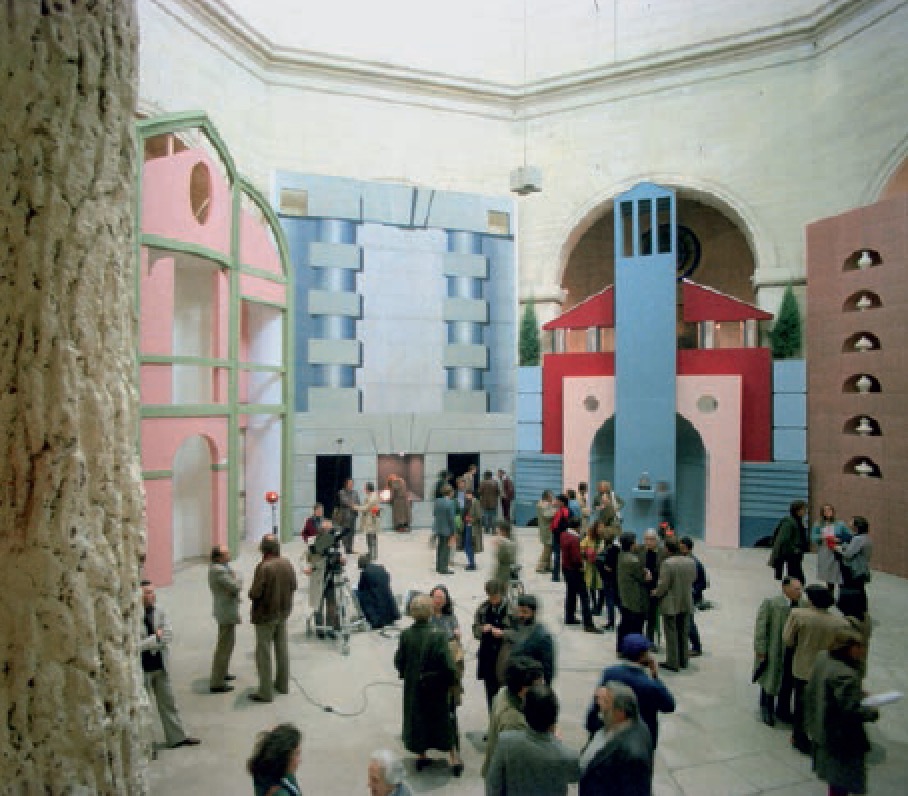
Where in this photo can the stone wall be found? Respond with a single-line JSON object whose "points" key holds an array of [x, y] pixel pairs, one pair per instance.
{"points": [[70, 502]]}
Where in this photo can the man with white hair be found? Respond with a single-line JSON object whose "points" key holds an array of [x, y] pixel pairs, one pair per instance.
{"points": [[618, 760], [386, 775]]}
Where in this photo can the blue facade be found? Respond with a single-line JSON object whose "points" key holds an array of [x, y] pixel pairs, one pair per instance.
{"points": [[645, 346]]}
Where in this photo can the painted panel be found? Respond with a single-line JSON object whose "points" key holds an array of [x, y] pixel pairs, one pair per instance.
{"points": [[334, 399], [335, 352], [476, 401], [154, 384], [348, 256], [461, 309], [159, 534], [257, 247], [789, 444], [529, 408], [325, 302], [529, 437], [264, 289], [460, 355], [789, 375], [475, 266], [156, 279], [166, 206], [789, 410], [529, 379]]}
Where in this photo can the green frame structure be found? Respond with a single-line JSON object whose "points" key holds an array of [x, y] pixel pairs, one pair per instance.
{"points": [[240, 188]]}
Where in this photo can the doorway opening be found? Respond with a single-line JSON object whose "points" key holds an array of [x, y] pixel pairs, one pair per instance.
{"points": [[331, 471]]}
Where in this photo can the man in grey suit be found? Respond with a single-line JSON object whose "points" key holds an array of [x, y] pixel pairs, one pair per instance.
{"points": [[675, 590], [154, 647], [533, 760], [444, 514], [225, 585]]}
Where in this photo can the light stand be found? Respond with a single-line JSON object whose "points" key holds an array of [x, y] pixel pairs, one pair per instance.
{"points": [[273, 498]]}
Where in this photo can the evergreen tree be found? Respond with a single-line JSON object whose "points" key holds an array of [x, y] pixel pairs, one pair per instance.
{"points": [[785, 336], [529, 337]]}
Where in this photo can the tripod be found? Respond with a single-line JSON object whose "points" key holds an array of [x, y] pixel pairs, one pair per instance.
{"points": [[338, 613]]}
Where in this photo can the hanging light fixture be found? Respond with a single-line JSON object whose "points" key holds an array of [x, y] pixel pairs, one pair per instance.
{"points": [[525, 179]]}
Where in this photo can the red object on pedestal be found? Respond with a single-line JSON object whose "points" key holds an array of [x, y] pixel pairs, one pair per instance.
{"points": [[272, 497]]}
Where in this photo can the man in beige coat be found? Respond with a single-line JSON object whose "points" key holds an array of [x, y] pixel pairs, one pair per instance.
{"points": [[225, 585], [809, 631], [674, 590]]}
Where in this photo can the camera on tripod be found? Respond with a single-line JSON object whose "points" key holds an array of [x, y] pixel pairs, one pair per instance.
{"points": [[327, 545]]}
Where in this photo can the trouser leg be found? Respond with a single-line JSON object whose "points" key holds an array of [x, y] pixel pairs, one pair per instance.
{"points": [[585, 611], [570, 597], [672, 657], [348, 540], [797, 725], [682, 628], [556, 559], [282, 659], [545, 559], [372, 542], [264, 635], [442, 554], [492, 686], [220, 663], [468, 545], [694, 634], [158, 683], [786, 688]]}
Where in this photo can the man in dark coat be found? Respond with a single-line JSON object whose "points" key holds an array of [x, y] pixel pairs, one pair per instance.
{"points": [[488, 493], [619, 758], [640, 672], [444, 525], [632, 590], [531, 637], [773, 659], [376, 600], [424, 662], [789, 543]]}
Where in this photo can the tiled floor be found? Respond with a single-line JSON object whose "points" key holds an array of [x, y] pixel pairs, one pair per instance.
{"points": [[713, 744]]}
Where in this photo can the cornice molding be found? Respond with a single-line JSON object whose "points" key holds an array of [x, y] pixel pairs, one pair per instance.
{"points": [[794, 39]]}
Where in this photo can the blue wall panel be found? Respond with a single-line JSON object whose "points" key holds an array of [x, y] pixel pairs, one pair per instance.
{"points": [[529, 437], [789, 410], [789, 444], [789, 375]]}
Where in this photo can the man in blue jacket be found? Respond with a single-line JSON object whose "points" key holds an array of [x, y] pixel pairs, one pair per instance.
{"points": [[640, 673]]}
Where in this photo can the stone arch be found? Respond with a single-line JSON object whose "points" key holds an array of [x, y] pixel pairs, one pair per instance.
{"points": [[892, 177], [712, 196]]}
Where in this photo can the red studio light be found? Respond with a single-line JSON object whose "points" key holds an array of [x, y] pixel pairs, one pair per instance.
{"points": [[272, 497]]}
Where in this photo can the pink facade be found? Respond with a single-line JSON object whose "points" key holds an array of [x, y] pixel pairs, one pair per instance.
{"points": [[189, 201]]}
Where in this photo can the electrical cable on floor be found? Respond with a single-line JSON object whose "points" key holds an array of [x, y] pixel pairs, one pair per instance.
{"points": [[331, 709]]}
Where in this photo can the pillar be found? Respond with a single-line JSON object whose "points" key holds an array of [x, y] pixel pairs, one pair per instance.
{"points": [[70, 496]]}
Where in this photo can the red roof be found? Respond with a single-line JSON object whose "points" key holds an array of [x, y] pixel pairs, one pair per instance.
{"points": [[701, 303]]}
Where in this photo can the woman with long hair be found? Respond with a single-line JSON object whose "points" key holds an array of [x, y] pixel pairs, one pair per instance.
{"points": [[274, 762], [592, 544]]}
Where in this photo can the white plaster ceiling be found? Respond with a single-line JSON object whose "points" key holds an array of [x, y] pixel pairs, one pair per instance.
{"points": [[483, 40]]}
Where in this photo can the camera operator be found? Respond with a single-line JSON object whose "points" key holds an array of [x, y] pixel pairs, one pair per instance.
{"points": [[323, 559]]}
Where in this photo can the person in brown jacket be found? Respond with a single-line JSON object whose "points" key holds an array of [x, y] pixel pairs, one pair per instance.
{"points": [[488, 493], [271, 594], [675, 592], [809, 631]]}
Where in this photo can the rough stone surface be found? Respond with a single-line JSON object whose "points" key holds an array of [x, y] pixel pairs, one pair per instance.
{"points": [[71, 505]]}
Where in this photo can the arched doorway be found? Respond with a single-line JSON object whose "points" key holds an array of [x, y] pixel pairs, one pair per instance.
{"points": [[690, 471], [192, 500]]}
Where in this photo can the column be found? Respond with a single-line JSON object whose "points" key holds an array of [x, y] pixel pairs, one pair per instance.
{"points": [[71, 505]]}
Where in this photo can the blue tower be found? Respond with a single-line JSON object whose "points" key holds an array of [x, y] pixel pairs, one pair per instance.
{"points": [[645, 349]]}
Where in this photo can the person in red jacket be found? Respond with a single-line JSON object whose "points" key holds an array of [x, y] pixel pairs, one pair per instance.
{"points": [[572, 567], [559, 525]]}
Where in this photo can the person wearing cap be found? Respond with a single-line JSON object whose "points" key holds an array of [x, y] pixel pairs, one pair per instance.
{"points": [[809, 631], [640, 672], [834, 716]]}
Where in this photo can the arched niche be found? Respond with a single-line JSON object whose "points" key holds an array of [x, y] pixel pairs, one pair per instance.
{"points": [[863, 422], [861, 259], [861, 342], [862, 300], [862, 467], [851, 384]]}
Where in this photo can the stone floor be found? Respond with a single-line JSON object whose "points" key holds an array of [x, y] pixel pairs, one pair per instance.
{"points": [[348, 706]]}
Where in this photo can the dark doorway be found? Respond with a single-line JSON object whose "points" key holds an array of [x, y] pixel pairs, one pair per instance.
{"points": [[459, 463], [330, 474]]}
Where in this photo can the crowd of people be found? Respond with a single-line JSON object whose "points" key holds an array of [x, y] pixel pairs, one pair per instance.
{"points": [[810, 642]]}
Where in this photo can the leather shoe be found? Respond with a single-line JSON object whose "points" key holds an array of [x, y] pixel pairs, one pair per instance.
{"points": [[422, 762], [220, 689], [230, 677], [572, 621], [258, 698], [187, 741], [695, 653], [593, 629], [766, 716], [668, 668], [457, 769], [446, 572]]}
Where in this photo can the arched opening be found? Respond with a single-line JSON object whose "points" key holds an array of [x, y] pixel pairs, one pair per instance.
{"points": [[192, 506], [713, 250], [689, 494], [897, 185]]}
